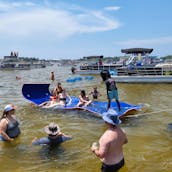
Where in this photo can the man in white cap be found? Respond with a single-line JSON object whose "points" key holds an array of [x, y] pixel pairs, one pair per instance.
{"points": [[110, 149]]}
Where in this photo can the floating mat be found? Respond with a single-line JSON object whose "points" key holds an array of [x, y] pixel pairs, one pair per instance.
{"points": [[39, 93], [36, 93]]}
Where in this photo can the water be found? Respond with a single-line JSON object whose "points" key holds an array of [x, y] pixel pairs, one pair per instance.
{"points": [[150, 142]]}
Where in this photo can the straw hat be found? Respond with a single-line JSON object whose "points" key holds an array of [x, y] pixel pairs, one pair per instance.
{"points": [[52, 129]]}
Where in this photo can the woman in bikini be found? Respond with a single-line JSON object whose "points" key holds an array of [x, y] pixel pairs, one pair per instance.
{"points": [[83, 99], [64, 98]]}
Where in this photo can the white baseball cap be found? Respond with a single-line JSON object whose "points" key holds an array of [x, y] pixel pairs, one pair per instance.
{"points": [[9, 108]]}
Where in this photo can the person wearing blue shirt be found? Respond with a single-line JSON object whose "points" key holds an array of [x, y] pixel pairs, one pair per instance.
{"points": [[54, 136]]}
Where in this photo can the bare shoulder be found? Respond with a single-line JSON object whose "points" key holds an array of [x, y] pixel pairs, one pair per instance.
{"points": [[3, 120], [108, 135], [3, 123]]}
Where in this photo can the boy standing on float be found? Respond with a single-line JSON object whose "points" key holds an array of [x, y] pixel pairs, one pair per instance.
{"points": [[112, 91]]}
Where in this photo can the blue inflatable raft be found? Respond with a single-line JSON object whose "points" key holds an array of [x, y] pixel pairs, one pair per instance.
{"points": [[39, 93]]}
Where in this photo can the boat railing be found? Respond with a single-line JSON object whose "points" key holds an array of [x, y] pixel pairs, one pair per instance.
{"points": [[141, 71], [100, 67], [130, 69]]}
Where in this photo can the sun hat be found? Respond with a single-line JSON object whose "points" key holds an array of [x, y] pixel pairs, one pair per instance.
{"points": [[111, 117], [9, 107], [52, 129]]}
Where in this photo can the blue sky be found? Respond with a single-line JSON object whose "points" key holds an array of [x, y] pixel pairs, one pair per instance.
{"points": [[71, 29]]}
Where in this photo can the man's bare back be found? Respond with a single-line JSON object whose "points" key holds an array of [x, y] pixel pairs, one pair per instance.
{"points": [[111, 143]]}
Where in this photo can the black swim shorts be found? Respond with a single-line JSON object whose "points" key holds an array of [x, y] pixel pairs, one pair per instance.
{"points": [[112, 168]]}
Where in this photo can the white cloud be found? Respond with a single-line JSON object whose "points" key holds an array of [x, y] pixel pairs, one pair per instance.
{"points": [[112, 8], [14, 5], [146, 42], [25, 19]]}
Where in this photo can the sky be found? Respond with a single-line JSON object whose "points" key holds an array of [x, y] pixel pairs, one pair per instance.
{"points": [[72, 29]]}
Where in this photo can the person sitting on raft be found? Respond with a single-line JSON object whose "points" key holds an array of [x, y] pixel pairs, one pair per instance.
{"points": [[63, 98], [49, 103], [54, 98], [9, 126], [58, 89], [83, 99], [54, 137]]}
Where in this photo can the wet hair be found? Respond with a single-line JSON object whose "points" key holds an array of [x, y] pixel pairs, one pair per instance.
{"points": [[4, 114], [83, 92], [51, 135], [59, 89]]}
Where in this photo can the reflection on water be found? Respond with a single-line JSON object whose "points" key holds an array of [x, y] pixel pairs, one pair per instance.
{"points": [[150, 139]]}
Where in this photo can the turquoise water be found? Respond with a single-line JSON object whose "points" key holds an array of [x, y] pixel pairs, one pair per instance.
{"points": [[150, 142]]}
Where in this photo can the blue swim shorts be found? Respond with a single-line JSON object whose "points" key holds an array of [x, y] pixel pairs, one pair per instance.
{"points": [[113, 94]]}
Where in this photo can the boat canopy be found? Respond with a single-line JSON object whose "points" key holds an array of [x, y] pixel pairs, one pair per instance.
{"points": [[137, 50], [93, 57]]}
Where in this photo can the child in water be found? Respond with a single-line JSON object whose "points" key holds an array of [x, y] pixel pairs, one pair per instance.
{"points": [[95, 93]]}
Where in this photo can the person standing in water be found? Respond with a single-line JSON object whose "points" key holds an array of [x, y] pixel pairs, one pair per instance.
{"points": [[110, 149], [9, 125], [54, 136], [95, 93], [52, 77]]}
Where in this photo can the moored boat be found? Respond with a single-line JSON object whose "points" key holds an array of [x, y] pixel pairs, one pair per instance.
{"points": [[14, 62], [140, 68], [94, 65]]}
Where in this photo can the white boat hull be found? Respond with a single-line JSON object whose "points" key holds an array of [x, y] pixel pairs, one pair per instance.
{"points": [[143, 79], [88, 72]]}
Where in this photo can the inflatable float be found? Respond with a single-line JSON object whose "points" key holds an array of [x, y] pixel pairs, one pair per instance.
{"points": [[39, 93]]}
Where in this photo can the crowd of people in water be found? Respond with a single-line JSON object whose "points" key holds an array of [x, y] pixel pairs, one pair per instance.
{"points": [[108, 149], [110, 146]]}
